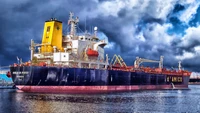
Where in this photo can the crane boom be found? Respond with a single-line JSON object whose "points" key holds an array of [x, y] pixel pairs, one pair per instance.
{"points": [[120, 58], [138, 61]]}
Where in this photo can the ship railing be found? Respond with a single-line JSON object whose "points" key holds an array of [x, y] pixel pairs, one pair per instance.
{"points": [[69, 47], [67, 40], [78, 63], [70, 63], [46, 54], [163, 71]]}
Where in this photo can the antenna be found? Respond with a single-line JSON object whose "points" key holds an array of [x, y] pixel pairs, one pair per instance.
{"points": [[85, 23], [95, 31], [92, 29], [179, 66], [18, 59], [21, 61]]}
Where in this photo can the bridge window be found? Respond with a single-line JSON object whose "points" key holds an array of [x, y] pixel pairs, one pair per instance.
{"points": [[48, 28], [167, 79], [180, 79], [174, 79]]}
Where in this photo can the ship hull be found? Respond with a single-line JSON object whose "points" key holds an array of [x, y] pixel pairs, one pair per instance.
{"points": [[84, 80], [95, 89]]}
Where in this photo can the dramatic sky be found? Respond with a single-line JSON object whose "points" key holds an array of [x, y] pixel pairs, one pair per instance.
{"points": [[144, 28]]}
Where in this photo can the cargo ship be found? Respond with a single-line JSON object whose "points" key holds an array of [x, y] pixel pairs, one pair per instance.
{"points": [[75, 63]]}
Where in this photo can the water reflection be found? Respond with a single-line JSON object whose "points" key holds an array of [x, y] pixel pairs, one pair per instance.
{"points": [[140, 101]]}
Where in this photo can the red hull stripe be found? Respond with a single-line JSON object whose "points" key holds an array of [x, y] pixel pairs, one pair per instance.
{"points": [[87, 89]]}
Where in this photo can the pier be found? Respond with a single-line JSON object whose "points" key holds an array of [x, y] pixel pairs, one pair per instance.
{"points": [[5, 82], [194, 78]]}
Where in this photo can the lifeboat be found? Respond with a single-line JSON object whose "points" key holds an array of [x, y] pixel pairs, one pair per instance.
{"points": [[42, 64], [91, 52]]}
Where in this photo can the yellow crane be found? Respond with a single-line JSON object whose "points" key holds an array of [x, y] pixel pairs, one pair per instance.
{"points": [[118, 59]]}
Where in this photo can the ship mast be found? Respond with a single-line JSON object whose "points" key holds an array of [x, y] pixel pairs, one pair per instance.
{"points": [[32, 49], [73, 23]]}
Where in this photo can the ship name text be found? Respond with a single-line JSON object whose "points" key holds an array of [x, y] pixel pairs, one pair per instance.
{"points": [[20, 72]]}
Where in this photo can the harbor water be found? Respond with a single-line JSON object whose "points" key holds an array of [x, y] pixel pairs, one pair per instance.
{"points": [[169, 101]]}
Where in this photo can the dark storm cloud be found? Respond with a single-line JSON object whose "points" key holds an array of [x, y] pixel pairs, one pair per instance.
{"points": [[178, 49], [112, 27], [174, 45], [145, 24], [31, 13], [147, 20], [152, 20], [190, 63], [190, 47], [122, 13], [132, 29], [23, 20]]}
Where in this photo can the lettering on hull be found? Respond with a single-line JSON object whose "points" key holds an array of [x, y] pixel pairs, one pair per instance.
{"points": [[20, 72]]}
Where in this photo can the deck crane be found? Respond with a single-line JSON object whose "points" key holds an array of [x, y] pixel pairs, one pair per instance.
{"points": [[138, 61], [118, 59]]}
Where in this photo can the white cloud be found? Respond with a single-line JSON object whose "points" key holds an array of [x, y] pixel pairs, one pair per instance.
{"points": [[111, 8], [135, 12], [190, 40], [184, 2], [197, 50], [192, 34], [186, 55], [140, 37], [159, 34], [189, 13], [161, 8], [129, 38], [110, 45], [136, 8]]}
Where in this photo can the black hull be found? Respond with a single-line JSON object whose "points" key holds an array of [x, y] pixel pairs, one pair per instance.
{"points": [[63, 76]]}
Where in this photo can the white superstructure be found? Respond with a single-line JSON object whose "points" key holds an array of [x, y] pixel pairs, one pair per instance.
{"points": [[83, 51]]}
